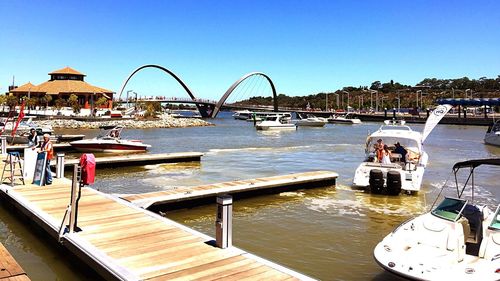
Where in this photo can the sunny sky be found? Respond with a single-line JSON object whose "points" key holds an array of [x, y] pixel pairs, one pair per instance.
{"points": [[304, 46]]}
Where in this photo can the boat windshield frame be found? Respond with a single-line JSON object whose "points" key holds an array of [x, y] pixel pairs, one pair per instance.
{"points": [[113, 133], [450, 209], [495, 222]]}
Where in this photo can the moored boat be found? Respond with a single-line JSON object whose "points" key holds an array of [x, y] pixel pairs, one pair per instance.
{"points": [[457, 240], [344, 119], [492, 135], [110, 141], [275, 122], [311, 121]]}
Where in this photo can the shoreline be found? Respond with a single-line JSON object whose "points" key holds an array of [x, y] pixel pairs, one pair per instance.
{"points": [[164, 122]]}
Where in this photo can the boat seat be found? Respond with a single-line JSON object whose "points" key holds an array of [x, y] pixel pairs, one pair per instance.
{"points": [[466, 227], [475, 218]]}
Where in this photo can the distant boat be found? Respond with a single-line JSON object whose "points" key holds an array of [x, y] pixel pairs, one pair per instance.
{"points": [[275, 122], [110, 141], [344, 119], [311, 121], [492, 135]]}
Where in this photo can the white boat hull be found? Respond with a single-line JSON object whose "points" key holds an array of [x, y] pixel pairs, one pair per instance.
{"points": [[289, 127], [492, 138], [306, 123], [109, 146], [429, 248], [411, 174]]}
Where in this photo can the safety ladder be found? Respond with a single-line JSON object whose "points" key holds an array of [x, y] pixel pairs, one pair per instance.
{"points": [[13, 167]]}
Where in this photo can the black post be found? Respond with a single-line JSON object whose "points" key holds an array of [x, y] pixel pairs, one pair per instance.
{"points": [[394, 113], [485, 115], [459, 111], [428, 112], [385, 112], [465, 113]]}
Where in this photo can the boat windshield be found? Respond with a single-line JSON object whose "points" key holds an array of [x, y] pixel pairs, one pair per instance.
{"points": [[495, 222], [450, 209], [408, 144]]}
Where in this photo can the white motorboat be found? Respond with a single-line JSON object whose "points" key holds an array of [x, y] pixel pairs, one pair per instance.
{"points": [[407, 166], [492, 135], [344, 119], [110, 141], [311, 121], [457, 240], [276, 122], [242, 114]]}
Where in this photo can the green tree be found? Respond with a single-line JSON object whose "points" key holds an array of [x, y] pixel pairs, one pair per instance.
{"points": [[11, 102], [31, 103], [3, 100], [59, 103], [73, 103], [101, 101]]}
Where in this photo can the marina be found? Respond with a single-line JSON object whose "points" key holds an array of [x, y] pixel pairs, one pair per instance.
{"points": [[247, 140], [342, 212], [107, 241]]}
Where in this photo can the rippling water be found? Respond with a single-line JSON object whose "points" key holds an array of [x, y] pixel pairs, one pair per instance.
{"points": [[327, 233]]}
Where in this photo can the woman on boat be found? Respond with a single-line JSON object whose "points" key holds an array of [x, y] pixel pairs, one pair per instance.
{"points": [[386, 155]]}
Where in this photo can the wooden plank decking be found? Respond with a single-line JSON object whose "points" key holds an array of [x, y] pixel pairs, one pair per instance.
{"points": [[10, 270], [124, 242], [284, 182], [139, 159]]}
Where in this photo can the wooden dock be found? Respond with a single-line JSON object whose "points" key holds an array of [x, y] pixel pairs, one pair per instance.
{"points": [[10, 270], [139, 159], [188, 196], [124, 242]]}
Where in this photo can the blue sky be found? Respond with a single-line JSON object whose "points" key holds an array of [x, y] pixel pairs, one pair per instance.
{"points": [[304, 46]]}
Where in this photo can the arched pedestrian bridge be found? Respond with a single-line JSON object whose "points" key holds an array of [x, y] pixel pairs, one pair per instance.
{"points": [[207, 108]]}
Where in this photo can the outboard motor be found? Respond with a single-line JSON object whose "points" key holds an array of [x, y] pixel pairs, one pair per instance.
{"points": [[393, 182], [376, 181]]}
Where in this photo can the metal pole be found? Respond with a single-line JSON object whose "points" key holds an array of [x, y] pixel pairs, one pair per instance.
{"points": [[75, 183], [376, 101], [60, 165], [326, 106], [4, 145]]}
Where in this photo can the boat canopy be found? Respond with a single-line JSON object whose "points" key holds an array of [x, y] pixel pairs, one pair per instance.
{"points": [[475, 163], [472, 164], [470, 102]]}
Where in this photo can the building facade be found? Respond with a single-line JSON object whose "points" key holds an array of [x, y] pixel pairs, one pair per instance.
{"points": [[62, 84]]}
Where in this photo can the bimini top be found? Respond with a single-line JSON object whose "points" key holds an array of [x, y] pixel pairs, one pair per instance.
{"points": [[477, 162]]}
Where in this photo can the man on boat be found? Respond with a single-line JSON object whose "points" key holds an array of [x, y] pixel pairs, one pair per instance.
{"points": [[32, 138], [401, 150]]}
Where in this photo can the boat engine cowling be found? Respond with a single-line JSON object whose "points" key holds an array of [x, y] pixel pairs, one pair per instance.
{"points": [[376, 181], [393, 182]]}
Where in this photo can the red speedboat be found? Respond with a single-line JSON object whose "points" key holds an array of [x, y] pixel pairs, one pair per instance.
{"points": [[110, 141]]}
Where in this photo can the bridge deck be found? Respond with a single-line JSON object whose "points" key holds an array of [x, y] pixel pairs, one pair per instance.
{"points": [[255, 186], [10, 270], [124, 242]]}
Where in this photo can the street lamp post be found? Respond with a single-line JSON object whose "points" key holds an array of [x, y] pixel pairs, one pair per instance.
{"points": [[343, 91], [419, 91], [326, 105]]}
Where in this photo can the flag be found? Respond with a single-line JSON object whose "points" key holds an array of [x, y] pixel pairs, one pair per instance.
{"points": [[19, 118]]}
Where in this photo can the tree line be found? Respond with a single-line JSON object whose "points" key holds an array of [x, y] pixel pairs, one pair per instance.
{"points": [[389, 94], [45, 101]]}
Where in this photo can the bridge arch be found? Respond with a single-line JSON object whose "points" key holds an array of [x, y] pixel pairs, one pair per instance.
{"points": [[236, 84], [201, 109]]}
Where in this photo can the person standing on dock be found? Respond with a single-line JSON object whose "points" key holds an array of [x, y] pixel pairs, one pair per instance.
{"points": [[49, 149]]}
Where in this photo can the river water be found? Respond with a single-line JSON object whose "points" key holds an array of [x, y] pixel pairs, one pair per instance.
{"points": [[327, 233]]}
